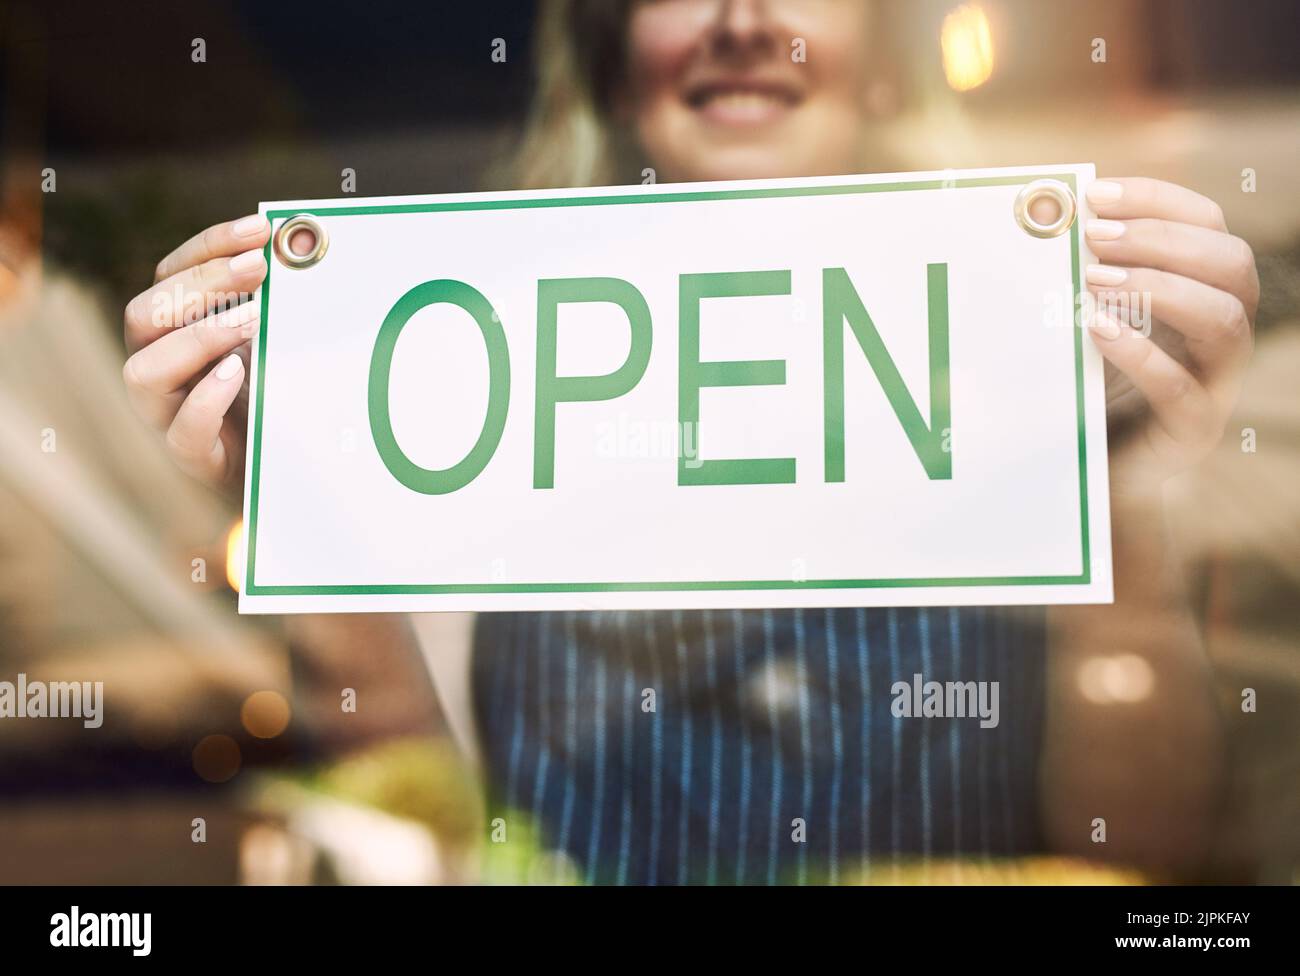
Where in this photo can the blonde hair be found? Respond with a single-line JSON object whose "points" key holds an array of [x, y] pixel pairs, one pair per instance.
{"points": [[572, 137]]}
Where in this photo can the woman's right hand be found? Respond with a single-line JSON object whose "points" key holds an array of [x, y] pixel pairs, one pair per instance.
{"points": [[188, 338]]}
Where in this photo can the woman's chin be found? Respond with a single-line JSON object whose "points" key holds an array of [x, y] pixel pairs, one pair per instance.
{"points": [[753, 163]]}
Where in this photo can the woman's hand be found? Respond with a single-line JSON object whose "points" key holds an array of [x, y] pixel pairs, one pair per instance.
{"points": [[197, 314], [1167, 248]]}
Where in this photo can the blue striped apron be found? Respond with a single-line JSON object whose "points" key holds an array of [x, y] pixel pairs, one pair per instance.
{"points": [[758, 746]]}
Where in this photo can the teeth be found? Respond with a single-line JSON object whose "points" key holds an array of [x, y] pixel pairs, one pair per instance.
{"points": [[745, 100]]}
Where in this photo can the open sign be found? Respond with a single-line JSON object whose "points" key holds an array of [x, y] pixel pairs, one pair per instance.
{"points": [[840, 302], [461, 404]]}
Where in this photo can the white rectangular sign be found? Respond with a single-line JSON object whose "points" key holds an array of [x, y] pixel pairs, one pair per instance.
{"points": [[843, 391]]}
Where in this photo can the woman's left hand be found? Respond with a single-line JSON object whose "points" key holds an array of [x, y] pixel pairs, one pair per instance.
{"points": [[1168, 248]]}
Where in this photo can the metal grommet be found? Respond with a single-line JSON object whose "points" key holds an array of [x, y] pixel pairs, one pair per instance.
{"points": [[286, 231], [1054, 190]]}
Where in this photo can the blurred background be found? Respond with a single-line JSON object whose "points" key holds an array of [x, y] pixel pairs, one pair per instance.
{"points": [[115, 145]]}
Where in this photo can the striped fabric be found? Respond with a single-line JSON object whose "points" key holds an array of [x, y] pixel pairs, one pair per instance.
{"points": [[761, 719]]}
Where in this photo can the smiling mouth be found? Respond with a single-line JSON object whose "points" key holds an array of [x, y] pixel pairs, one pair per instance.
{"points": [[742, 103]]}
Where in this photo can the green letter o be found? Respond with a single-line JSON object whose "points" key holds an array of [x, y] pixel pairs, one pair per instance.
{"points": [[405, 470]]}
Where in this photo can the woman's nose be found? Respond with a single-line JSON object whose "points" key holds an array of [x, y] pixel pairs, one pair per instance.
{"points": [[742, 25]]}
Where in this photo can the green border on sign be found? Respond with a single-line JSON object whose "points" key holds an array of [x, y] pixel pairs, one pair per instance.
{"points": [[252, 589]]}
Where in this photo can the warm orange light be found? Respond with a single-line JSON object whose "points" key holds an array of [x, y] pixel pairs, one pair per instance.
{"points": [[1123, 679], [265, 714], [235, 554], [967, 43]]}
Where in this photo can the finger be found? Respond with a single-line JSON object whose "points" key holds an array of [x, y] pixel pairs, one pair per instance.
{"points": [[218, 241], [157, 374], [1182, 408], [194, 438], [1214, 322], [189, 295], [1220, 260], [1124, 198]]}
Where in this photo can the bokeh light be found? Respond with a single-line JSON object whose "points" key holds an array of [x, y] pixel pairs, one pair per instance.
{"points": [[216, 758], [967, 42], [235, 554], [265, 714], [1119, 679]]}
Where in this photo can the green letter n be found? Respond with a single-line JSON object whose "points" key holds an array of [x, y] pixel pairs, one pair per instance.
{"points": [[840, 302]]}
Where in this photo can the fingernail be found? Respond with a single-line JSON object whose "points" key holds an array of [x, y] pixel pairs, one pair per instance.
{"points": [[1105, 326], [1105, 192], [229, 367], [249, 261], [1103, 230], [1104, 274], [248, 226]]}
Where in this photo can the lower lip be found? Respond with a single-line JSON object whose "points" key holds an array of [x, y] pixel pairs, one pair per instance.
{"points": [[743, 112]]}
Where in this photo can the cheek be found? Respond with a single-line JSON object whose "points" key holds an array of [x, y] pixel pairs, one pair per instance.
{"points": [[661, 41], [837, 51]]}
